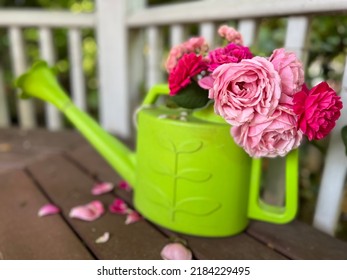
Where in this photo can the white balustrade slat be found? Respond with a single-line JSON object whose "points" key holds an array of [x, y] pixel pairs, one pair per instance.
{"points": [[136, 59], [4, 112], [25, 107], [176, 34], [113, 67], [296, 38], [328, 207], [208, 31], [248, 28], [76, 68], [154, 59], [39, 18], [295, 41], [53, 117]]}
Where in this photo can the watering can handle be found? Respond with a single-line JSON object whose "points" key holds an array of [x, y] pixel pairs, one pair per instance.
{"points": [[260, 210], [154, 93]]}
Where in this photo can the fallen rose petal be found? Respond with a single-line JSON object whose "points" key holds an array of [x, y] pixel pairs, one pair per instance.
{"points": [[176, 251], [118, 206], [48, 209], [124, 185], [103, 238], [102, 188], [133, 217], [88, 212]]}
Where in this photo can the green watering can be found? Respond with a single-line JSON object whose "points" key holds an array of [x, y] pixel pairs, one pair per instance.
{"points": [[188, 175]]}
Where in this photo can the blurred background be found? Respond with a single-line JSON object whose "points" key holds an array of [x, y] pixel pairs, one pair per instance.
{"points": [[325, 61]]}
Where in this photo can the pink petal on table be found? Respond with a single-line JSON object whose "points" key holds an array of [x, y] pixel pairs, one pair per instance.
{"points": [[176, 251], [133, 217], [124, 185], [103, 238], [118, 206], [102, 188], [88, 212], [48, 209]]}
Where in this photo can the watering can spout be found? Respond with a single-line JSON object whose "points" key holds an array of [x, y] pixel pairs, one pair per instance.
{"points": [[40, 82]]}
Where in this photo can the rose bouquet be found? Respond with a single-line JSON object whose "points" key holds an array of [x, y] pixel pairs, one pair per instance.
{"points": [[264, 99]]}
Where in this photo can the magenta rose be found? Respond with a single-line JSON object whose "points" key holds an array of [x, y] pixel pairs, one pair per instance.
{"points": [[228, 54], [317, 110], [242, 89], [269, 136], [187, 67], [291, 72]]}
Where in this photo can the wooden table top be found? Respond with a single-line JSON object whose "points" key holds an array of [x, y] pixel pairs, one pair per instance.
{"points": [[37, 167]]}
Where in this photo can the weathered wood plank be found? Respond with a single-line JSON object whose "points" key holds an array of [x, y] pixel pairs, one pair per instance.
{"points": [[238, 247], [87, 157], [20, 147], [136, 241], [23, 235], [299, 241]]}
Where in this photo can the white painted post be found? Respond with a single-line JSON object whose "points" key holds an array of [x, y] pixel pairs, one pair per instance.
{"points": [[113, 66], [328, 207], [4, 113], [26, 110], [76, 68], [53, 117]]}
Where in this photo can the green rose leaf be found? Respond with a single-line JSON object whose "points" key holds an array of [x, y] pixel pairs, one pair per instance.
{"points": [[191, 97], [344, 137]]}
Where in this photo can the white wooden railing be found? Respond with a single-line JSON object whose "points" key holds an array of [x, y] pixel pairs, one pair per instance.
{"points": [[130, 52]]}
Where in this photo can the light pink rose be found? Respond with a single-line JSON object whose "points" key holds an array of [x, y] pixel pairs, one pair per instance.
{"points": [[242, 89], [197, 45], [269, 136], [174, 55], [230, 34], [291, 71]]}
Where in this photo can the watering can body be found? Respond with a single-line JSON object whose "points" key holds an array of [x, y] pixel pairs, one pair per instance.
{"points": [[188, 174]]}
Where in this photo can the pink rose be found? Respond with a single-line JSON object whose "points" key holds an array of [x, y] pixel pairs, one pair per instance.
{"points": [[196, 45], [230, 53], [291, 72], [242, 89], [187, 67], [230, 34], [318, 109], [174, 55], [269, 136]]}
